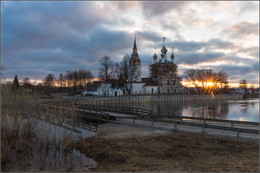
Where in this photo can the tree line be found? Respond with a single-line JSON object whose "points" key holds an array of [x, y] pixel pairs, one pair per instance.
{"points": [[72, 81], [120, 73]]}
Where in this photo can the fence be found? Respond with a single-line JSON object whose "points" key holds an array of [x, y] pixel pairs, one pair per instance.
{"points": [[171, 98]]}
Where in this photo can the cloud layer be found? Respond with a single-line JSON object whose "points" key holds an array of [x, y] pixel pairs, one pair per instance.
{"points": [[52, 37]]}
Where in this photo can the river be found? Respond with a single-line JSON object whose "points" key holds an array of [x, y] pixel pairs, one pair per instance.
{"points": [[241, 110]]}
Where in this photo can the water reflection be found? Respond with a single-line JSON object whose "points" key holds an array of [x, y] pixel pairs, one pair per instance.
{"points": [[243, 110]]}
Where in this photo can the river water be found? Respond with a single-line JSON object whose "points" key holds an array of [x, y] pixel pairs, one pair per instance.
{"points": [[241, 110]]}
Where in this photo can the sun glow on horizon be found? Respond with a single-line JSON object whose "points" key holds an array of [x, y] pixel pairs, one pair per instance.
{"points": [[231, 85]]}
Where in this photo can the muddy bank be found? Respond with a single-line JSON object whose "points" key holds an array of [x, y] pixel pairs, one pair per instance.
{"points": [[174, 151]]}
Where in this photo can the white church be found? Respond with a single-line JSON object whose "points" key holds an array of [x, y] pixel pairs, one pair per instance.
{"points": [[163, 79]]}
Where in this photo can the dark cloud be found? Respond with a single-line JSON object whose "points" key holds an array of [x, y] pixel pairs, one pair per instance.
{"points": [[30, 24], [236, 73], [108, 41], [219, 44], [72, 53], [242, 29], [52, 37], [125, 5], [248, 6], [152, 8], [192, 46], [149, 35], [56, 36], [194, 58], [189, 46], [251, 51]]}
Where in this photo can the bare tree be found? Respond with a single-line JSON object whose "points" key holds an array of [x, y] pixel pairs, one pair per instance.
{"points": [[82, 77], [75, 79], [243, 84], [2, 74], [61, 79], [191, 76], [89, 76], [124, 72], [206, 79], [131, 75], [115, 70], [15, 84], [68, 79], [106, 64], [124, 67], [49, 80], [85, 77]]}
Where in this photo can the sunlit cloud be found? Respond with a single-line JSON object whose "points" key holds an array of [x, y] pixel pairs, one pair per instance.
{"points": [[53, 37], [242, 29]]}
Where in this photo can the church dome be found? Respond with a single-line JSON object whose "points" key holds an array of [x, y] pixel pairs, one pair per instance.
{"points": [[155, 56], [164, 50], [172, 56]]}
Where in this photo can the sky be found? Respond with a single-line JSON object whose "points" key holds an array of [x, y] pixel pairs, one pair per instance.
{"points": [[38, 38]]}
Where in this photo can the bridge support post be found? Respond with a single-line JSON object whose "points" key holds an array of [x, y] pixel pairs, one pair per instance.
{"points": [[175, 126], [152, 123], [133, 120], [203, 129], [238, 130]]}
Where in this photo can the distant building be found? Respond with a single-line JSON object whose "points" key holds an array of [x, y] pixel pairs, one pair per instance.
{"points": [[27, 88], [91, 88], [163, 74], [105, 89], [239, 90]]}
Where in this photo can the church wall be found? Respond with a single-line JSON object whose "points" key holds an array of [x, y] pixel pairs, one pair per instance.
{"points": [[150, 89], [137, 74], [137, 88]]}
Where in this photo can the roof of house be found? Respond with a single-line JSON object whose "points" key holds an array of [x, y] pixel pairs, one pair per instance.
{"points": [[149, 82], [27, 85]]}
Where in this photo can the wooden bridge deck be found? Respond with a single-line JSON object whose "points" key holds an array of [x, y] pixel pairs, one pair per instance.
{"points": [[107, 113]]}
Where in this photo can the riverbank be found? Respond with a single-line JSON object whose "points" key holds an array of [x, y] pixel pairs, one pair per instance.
{"points": [[124, 100], [120, 148], [248, 95]]}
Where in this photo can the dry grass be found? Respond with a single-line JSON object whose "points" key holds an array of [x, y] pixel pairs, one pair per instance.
{"points": [[174, 152], [25, 144]]}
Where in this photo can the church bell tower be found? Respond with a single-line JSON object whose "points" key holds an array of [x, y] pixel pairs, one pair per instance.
{"points": [[135, 65]]}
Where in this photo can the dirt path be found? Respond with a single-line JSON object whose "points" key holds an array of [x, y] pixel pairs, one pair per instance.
{"points": [[127, 131]]}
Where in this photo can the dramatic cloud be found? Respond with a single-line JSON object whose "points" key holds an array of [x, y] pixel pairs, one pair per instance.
{"points": [[243, 29], [151, 9], [52, 37]]}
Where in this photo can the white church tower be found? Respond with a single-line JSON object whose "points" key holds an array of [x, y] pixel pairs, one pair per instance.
{"points": [[135, 66]]}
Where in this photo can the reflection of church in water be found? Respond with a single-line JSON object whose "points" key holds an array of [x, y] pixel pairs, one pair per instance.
{"points": [[163, 74]]}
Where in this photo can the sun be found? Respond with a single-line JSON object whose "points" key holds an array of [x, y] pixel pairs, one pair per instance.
{"points": [[209, 84]]}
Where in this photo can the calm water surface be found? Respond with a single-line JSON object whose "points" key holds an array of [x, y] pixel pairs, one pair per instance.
{"points": [[241, 110]]}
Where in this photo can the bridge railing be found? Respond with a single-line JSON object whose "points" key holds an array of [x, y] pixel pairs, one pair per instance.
{"points": [[127, 110], [232, 122], [184, 121]]}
